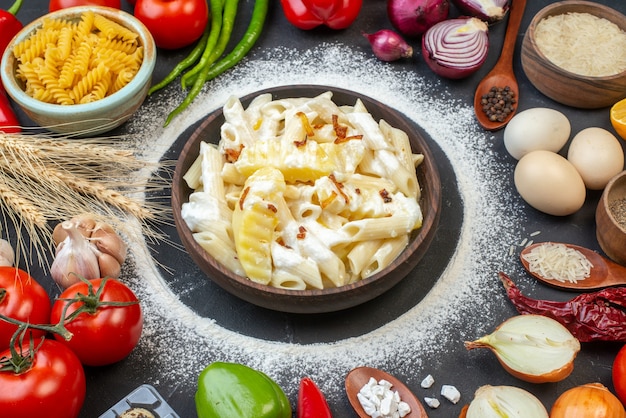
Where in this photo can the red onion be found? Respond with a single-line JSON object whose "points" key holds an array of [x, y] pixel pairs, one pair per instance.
{"points": [[387, 45], [456, 48], [414, 17], [488, 10]]}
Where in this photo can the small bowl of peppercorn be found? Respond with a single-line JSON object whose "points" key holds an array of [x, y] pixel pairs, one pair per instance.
{"points": [[611, 219], [568, 54]]}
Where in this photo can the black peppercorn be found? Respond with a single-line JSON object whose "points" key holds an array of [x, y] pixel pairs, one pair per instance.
{"points": [[498, 103]]}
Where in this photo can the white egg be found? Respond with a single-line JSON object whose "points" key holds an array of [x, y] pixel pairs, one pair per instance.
{"points": [[539, 128], [548, 182], [597, 155]]}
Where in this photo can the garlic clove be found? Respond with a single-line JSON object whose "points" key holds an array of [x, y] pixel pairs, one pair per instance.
{"points": [[533, 348], [7, 255], [505, 401], [109, 266], [85, 223], [75, 259], [108, 241]]}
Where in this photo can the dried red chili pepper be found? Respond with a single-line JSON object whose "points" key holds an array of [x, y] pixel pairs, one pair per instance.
{"points": [[311, 401], [9, 27], [308, 14], [595, 316]]}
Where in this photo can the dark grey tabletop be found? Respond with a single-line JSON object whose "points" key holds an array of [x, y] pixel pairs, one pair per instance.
{"points": [[415, 329]]}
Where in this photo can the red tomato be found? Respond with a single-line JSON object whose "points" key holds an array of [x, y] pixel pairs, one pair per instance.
{"points": [[619, 374], [21, 298], [64, 4], [173, 23], [105, 334], [53, 387]]}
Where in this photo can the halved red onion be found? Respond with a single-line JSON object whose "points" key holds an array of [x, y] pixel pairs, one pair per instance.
{"points": [[488, 10], [456, 48], [413, 17]]}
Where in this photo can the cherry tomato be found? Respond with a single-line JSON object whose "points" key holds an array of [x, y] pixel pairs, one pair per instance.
{"points": [[53, 386], [64, 4], [173, 23], [619, 374], [104, 333], [21, 298]]}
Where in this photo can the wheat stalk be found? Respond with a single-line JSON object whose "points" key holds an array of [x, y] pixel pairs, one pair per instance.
{"points": [[43, 179]]}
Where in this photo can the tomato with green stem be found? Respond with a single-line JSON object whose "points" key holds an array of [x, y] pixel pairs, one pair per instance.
{"points": [[21, 298], [173, 24], [103, 317], [55, 5], [37, 364]]}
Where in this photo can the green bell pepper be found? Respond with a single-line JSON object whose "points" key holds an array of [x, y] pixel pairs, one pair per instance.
{"points": [[232, 390]]}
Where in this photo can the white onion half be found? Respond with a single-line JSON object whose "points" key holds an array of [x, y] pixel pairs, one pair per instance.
{"points": [[505, 401]]}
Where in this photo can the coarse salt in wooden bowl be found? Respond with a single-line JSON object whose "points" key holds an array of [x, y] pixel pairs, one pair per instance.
{"points": [[611, 219], [329, 299], [95, 117], [567, 87]]}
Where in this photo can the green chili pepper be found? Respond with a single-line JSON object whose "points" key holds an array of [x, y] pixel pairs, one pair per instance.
{"points": [[208, 72], [193, 56], [228, 22], [232, 390]]}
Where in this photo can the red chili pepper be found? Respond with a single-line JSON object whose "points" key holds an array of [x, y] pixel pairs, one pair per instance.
{"points": [[595, 316], [311, 401], [9, 27], [308, 14]]}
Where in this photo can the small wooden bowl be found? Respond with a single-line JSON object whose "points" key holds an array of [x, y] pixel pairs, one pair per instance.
{"points": [[610, 232], [325, 300], [561, 85]]}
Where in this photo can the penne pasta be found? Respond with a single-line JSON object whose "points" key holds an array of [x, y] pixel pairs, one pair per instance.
{"points": [[301, 193]]}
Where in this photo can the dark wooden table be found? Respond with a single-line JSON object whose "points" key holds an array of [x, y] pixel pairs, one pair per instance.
{"points": [[452, 363]]}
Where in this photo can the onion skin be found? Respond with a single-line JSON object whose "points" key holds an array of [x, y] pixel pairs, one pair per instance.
{"points": [[592, 400], [490, 11], [413, 17], [456, 48]]}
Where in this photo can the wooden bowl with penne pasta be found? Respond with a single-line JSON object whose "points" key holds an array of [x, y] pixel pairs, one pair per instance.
{"points": [[81, 71], [306, 199]]}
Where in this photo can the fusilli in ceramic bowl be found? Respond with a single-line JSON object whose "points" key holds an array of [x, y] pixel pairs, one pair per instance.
{"points": [[90, 118], [327, 299]]}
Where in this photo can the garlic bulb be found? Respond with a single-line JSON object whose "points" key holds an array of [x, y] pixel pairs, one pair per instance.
{"points": [[533, 348], [87, 249], [505, 401], [7, 255]]}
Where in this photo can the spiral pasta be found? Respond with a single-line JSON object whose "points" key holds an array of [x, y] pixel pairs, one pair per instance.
{"points": [[77, 61]]}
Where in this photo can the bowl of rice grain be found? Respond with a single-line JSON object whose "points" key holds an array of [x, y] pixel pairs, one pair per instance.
{"points": [[80, 71], [574, 52]]}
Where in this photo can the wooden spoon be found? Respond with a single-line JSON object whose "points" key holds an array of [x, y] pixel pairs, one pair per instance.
{"points": [[604, 273], [501, 75], [357, 378]]}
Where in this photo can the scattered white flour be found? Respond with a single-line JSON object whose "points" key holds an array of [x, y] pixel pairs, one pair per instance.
{"points": [[182, 343]]}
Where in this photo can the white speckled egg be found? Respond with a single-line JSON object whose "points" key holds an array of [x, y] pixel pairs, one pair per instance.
{"points": [[539, 128], [597, 155], [548, 182]]}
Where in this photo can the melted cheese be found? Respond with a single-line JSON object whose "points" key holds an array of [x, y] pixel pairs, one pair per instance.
{"points": [[582, 43]]}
